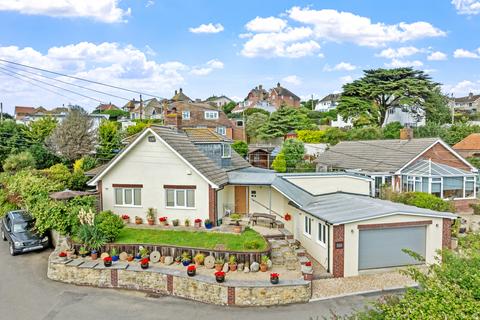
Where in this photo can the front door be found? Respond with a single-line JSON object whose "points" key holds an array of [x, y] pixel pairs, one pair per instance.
{"points": [[240, 199]]}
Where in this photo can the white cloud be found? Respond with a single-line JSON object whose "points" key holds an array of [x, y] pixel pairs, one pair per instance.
{"points": [[149, 3], [437, 56], [397, 63], [346, 79], [398, 53], [462, 53], [207, 28], [100, 10], [469, 7], [462, 88], [245, 35], [207, 68], [287, 43], [270, 24], [342, 66], [292, 79], [111, 63], [338, 26]]}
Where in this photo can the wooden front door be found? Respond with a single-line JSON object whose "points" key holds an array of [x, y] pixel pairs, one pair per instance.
{"points": [[240, 199]]}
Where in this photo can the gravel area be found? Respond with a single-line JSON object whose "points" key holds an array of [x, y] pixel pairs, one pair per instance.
{"points": [[329, 288]]}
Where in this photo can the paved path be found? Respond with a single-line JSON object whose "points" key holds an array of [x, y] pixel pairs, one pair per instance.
{"points": [[26, 293]]}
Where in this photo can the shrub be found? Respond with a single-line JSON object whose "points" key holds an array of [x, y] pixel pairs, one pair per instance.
{"points": [[59, 173], [109, 224], [241, 147], [310, 136], [424, 200], [91, 236], [279, 164], [252, 245], [19, 161]]}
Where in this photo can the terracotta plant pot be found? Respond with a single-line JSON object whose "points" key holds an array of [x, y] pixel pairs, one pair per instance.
{"points": [[94, 255], [263, 267], [151, 222], [237, 229], [218, 267], [233, 266], [69, 253], [138, 221], [130, 258]]}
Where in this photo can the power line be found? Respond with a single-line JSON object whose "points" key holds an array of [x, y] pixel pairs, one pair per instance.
{"points": [[52, 85], [65, 82], [36, 85], [82, 79]]}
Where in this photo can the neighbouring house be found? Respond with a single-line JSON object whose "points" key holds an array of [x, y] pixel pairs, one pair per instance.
{"points": [[467, 104], [58, 114], [218, 102], [314, 150], [22, 112], [328, 103], [269, 101], [416, 117], [194, 173], [106, 107], [262, 155], [184, 114], [425, 165], [146, 109], [180, 96], [469, 147]]}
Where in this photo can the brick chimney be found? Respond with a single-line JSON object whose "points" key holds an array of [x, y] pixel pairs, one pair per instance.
{"points": [[173, 118], [470, 95], [176, 92], [181, 90], [278, 84], [406, 134]]}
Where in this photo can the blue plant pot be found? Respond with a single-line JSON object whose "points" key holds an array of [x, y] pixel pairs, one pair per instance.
{"points": [[138, 257], [115, 258], [186, 262], [209, 226]]}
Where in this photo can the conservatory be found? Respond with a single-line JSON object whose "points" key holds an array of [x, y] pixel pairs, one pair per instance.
{"points": [[440, 180]]}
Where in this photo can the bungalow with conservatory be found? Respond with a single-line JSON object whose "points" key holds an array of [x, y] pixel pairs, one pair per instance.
{"points": [[424, 165], [194, 173]]}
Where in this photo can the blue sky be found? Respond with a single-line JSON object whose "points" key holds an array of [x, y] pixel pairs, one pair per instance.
{"points": [[228, 47]]}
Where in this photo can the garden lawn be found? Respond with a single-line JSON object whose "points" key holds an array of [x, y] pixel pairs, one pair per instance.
{"points": [[193, 239]]}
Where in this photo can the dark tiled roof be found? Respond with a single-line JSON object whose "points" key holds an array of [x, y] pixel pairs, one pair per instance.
{"points": [[93, 172], [331, 97], [469, 98], [281, 91], [374, 155], [180, 96]]}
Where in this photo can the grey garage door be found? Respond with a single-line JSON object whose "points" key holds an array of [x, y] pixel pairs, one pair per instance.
{"points": [[382, 248]]}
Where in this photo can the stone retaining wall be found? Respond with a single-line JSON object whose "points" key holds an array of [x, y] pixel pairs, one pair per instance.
{"points": [[173, 282]]}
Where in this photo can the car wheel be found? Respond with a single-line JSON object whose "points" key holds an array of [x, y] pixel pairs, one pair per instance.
{"points": [[12, 252], [3, 236]]}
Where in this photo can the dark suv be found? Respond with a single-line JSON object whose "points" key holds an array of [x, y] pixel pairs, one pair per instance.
{"points": [[16, 228]]}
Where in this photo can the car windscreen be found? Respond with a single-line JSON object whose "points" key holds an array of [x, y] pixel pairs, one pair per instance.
{"points": [[22, 226]]}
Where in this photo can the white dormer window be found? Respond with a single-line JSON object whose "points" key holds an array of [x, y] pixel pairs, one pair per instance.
{"points": [[211, 115], [222, 131], [226, 151], [186, 115]]}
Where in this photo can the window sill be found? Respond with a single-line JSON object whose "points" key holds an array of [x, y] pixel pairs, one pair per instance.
{"points": [[307, 235], [127, 206], [181, 208]]}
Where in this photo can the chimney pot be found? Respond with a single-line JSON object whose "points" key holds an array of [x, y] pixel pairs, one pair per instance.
{"points": [[278, 84], [181, 90], [470, 94]]}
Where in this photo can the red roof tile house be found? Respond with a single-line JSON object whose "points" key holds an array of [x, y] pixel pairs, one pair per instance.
{"points": [[469, 147]]}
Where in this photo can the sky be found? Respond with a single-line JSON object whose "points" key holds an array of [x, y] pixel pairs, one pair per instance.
{"points": [[215, 47]]}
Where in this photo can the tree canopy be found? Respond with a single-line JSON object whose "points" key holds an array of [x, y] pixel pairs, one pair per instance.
{"points": [[370, 97], [285, 120], [108, 139]]}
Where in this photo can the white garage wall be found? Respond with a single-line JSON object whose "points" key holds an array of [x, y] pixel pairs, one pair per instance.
{"points": [[154, 165], [351, 244]]}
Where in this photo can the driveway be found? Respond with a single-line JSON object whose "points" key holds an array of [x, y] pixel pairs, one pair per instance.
{"points": [[26, 293]]}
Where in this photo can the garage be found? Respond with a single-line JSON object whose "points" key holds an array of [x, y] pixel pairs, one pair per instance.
{"points": [[382, 248]]}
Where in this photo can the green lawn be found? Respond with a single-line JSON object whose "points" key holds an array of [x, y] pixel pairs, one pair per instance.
{"points": [[194, 239]]}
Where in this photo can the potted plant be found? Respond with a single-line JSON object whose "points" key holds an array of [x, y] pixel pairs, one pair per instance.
{"points": [[114, 254], [199, 258], [143, 252], [175, 222], [187, 222], [220, 276], [237, 228], [191, 270], [70, 252], [178, 259], [163, 221], [83, 252], [144, 263], [151, 216], [274, 278], [264, 263], [197, 223], [94, 254], [130, 257], [232, 262], [208, 224], [219, 262], [63, 255], [107, 261], [138, 220], [126, 218], [186, 258]]}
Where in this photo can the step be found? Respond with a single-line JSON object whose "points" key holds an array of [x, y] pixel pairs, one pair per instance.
{"points": [[303, 259], [301, 252]]}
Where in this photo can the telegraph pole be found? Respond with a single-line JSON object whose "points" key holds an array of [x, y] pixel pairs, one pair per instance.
{"points": [[1, 111], [141, 108]]}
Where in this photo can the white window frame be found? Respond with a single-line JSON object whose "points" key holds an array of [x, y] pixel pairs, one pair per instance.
{"points": [[211, 115], [222, 130], [124, 191], [185, 198], [186, 115], [321, 234], [226, 147], [307, 226]]}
